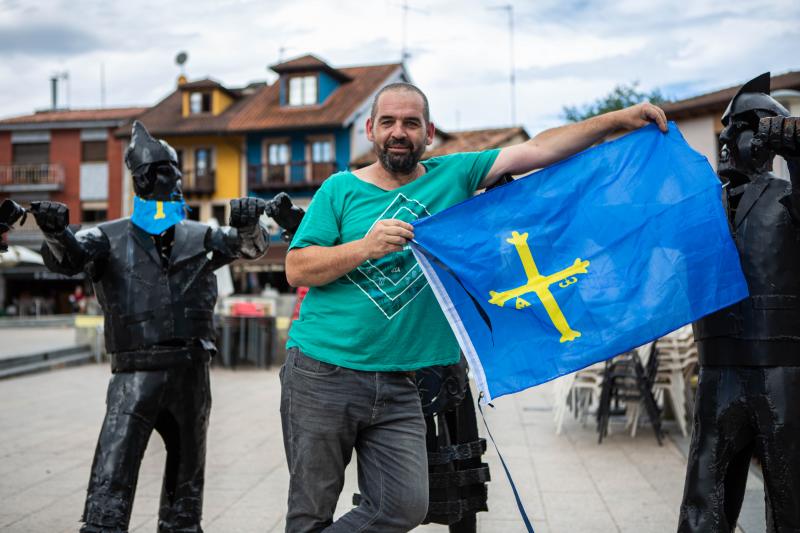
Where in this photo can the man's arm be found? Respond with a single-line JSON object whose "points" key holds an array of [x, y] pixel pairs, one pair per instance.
{"points": [[556, 144], [319, 265]]}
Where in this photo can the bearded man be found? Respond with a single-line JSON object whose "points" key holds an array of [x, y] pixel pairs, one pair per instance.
{"points": [[370, 320]]}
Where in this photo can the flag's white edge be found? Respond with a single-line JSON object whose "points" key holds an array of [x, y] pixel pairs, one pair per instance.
{"points": [[456, 324]]}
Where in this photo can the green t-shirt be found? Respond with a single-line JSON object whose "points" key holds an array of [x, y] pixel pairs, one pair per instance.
{"points": [[382, 316]]}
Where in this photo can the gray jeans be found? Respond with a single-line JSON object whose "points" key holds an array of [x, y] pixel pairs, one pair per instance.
{"points": [[326, 412]]}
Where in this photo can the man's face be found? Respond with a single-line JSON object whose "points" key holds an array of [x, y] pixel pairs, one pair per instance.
{"points": [[399, 131]]}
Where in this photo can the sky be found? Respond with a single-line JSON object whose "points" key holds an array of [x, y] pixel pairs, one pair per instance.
{"points": [[566, 52]]}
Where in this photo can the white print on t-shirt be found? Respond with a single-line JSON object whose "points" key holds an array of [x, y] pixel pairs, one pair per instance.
{"points": [[393, 281]]}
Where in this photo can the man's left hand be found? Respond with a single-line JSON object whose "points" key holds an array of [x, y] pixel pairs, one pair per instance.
{"points": [[640, 115]]}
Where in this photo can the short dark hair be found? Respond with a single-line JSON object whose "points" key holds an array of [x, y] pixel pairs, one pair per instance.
{"points": [[402, 86]]}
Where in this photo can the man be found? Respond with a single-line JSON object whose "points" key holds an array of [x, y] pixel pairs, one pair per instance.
{"points": [[369, 319], [748, 396], [153, 275]]}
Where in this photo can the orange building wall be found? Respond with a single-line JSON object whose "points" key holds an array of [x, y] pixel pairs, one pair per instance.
{"points": [[5, 147], [114, 153], [65, 149]]}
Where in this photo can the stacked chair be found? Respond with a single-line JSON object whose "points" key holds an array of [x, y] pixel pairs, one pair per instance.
{"points": [[647, 379]]}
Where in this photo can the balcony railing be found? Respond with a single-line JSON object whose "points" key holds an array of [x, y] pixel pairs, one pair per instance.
{"points": [[293, 175], [25, 178], [198, 184]]}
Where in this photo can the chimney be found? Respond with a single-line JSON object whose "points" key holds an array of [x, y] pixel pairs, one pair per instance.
{"points": [[54, 91]]}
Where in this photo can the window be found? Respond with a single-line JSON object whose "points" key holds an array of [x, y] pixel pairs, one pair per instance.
{"points": [[278, 154], [321, 151], [193, 213], [30, 153], [94, 215], [199, 103], [218, 212], [202, 161], [303, 90], [93, 151]]}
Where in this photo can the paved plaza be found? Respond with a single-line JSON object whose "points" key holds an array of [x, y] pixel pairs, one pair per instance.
{"points": [[49, 423]]}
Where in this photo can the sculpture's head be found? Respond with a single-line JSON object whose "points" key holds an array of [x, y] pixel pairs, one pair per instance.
{"points": [[154, 166], [737, 160]]}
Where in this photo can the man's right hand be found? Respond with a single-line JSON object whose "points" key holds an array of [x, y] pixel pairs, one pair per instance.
{"points": [[51, 217], [387, 236]]}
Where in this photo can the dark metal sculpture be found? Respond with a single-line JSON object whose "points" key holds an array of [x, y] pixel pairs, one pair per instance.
{"points": [[748, 398], [10, 213], [153, 275]]}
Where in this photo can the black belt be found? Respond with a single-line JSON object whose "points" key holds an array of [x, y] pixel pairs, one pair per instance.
{"points": [[159, 359]]}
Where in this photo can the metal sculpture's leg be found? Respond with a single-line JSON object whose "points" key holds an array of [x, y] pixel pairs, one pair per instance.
{"points": [[779, 432], [132, 408], [722, 441], [183, 426]]}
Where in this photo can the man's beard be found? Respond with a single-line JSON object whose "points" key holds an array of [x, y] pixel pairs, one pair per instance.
{"points": [[399, 163]]}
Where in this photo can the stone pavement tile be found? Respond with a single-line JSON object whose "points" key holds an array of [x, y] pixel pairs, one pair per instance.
{"points": [[570, 512], [643, 506], [509, 526], [562, 476]]}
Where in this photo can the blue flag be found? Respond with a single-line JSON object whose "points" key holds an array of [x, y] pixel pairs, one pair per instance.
{"points": [[584, 260]]}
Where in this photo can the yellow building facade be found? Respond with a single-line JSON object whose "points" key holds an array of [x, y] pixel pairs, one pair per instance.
{"points": [[212, 173]]}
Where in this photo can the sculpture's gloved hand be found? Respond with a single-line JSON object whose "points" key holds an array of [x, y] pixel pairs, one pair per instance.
{"points": [[287, 215], [245, 212], [51, 217], [780, 135]]}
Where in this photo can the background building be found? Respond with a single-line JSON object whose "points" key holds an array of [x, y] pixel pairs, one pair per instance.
{"points": [[68, 156], [699, 117]]}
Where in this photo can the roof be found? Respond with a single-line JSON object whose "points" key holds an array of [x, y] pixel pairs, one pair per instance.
{"points": [[264, 112], [205, 84], [308, 63], [476, 140], [75, 115], [464, 141], [716, 102], [166, 118]]}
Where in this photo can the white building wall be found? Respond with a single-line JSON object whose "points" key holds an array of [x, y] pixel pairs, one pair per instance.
{"points": [[699, 133]]}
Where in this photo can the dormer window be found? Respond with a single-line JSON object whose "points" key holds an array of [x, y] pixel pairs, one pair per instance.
{"points": [[302, 90], [199, 102]]}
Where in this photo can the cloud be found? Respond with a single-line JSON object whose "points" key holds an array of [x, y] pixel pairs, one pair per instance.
{"points": [[46, 39]]}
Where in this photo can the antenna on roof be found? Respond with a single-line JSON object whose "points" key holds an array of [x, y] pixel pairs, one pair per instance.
{"points": [[102, 84], [509, 8], [180, 60], [404, 53]]}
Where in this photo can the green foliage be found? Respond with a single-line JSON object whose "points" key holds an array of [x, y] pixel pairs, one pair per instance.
{"points": [[620, 97]]}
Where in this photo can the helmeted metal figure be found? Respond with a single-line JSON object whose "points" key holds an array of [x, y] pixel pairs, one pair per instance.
{"points": [[153, 275], [748, 397]]}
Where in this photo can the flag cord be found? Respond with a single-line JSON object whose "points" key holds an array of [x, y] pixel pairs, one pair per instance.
{"points": [[521, 508]]}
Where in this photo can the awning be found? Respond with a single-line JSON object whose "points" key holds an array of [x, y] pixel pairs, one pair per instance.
{"points": [[19, 254]]}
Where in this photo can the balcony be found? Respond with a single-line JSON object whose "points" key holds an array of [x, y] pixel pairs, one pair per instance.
{"points": [[31, 178], [293, 175], [199, 184]]}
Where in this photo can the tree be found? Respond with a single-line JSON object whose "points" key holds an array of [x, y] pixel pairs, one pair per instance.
{"points": [[620, 97]]}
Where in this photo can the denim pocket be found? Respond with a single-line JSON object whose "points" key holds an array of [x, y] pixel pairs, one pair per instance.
{"points": [[308, 366]]}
